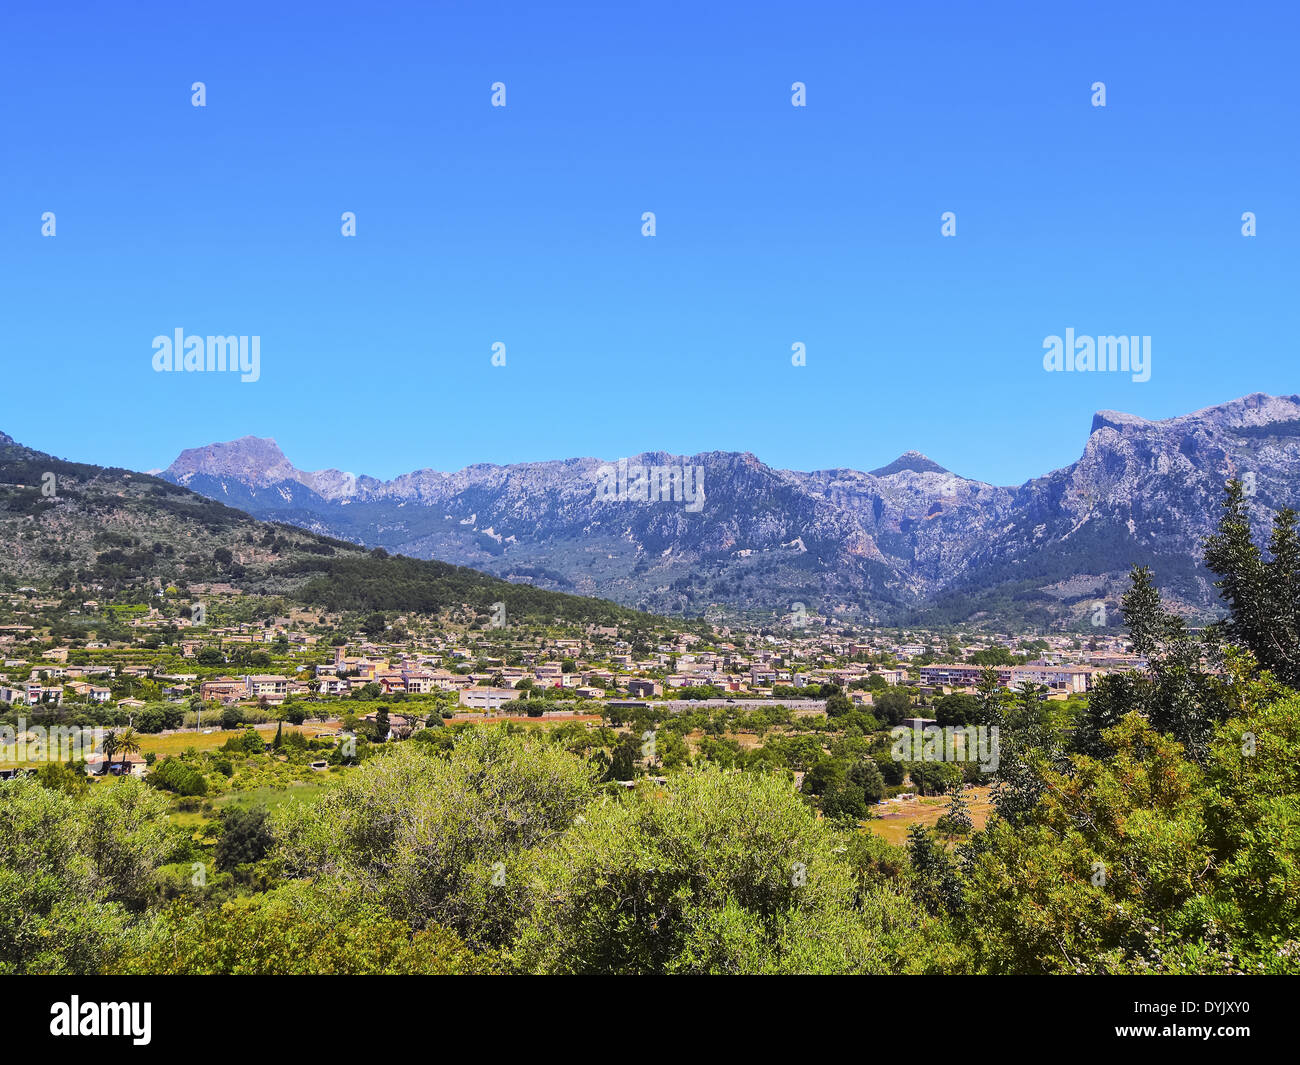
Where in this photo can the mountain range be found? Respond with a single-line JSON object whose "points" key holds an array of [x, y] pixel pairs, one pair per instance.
{"points": [[64, 524], [910, 541]]}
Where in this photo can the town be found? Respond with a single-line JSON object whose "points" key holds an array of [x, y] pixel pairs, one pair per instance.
{"points": [[315, 661]]}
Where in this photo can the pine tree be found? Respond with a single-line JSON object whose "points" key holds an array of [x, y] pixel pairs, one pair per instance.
{"points": [[1025, 741], [989, 694], [1283, 609], [935, 880], [1111, 698], [1263, 597], [957, 821], [1178, 695]]}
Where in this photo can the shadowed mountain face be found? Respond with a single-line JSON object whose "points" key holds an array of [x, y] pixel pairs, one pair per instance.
{"points": [[908, 540]]}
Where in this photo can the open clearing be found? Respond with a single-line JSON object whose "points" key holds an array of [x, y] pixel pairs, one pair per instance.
{"points": [[894, 818]]}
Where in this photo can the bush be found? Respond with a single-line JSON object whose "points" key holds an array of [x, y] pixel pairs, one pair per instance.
{"points": [[174, 775], [245, 837], [247, 742], [298, 929]]}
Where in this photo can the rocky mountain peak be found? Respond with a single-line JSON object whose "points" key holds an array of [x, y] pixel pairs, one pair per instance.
{"points": [[909, 461], [250, 459], [1253, 411]]}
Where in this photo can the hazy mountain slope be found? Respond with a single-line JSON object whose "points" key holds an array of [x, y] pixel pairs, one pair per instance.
{"points": [[114, 528], [908, 539], [760, 538]]}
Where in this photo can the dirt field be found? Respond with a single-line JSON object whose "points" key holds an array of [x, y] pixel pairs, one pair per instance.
{"points": [[895, 817]]}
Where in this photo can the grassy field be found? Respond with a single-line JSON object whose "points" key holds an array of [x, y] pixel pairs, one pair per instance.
{"points": [[209, 740], [179, 742], [270, 797], [894, 818], [295, 791]]}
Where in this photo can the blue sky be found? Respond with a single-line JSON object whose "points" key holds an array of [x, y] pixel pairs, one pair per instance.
{"points": [[522, 225]]}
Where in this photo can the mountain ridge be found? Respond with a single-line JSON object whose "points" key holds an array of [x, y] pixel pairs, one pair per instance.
{"points": [[907, 540], [65, 524]]}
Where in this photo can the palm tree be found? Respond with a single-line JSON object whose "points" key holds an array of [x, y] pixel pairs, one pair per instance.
{"points": [[109, 747], [127, 743]]}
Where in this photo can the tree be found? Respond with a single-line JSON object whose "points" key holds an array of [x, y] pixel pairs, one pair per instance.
{"points": [[957, 820], [1178, 694], [892, 706], [988, 692], [828, 773], [245, 837], [994, 656], [108, 747], [421, 829], [176, 775], [722, 873], [672, 750], [248, 741], [865, 775], [935, 875], [624, 757], [846, 788], [933, 778], [71, 872], [838, 705], [1026, 746], [321, 928], [1114, 849], [69, 778], [1112, 697], [1262, 597], [956, 709], [127, 743]]}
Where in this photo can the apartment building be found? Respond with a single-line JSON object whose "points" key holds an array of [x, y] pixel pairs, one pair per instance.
{"points": [[224, 690], [266, 686], [1074, 679], [486, 698]]}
